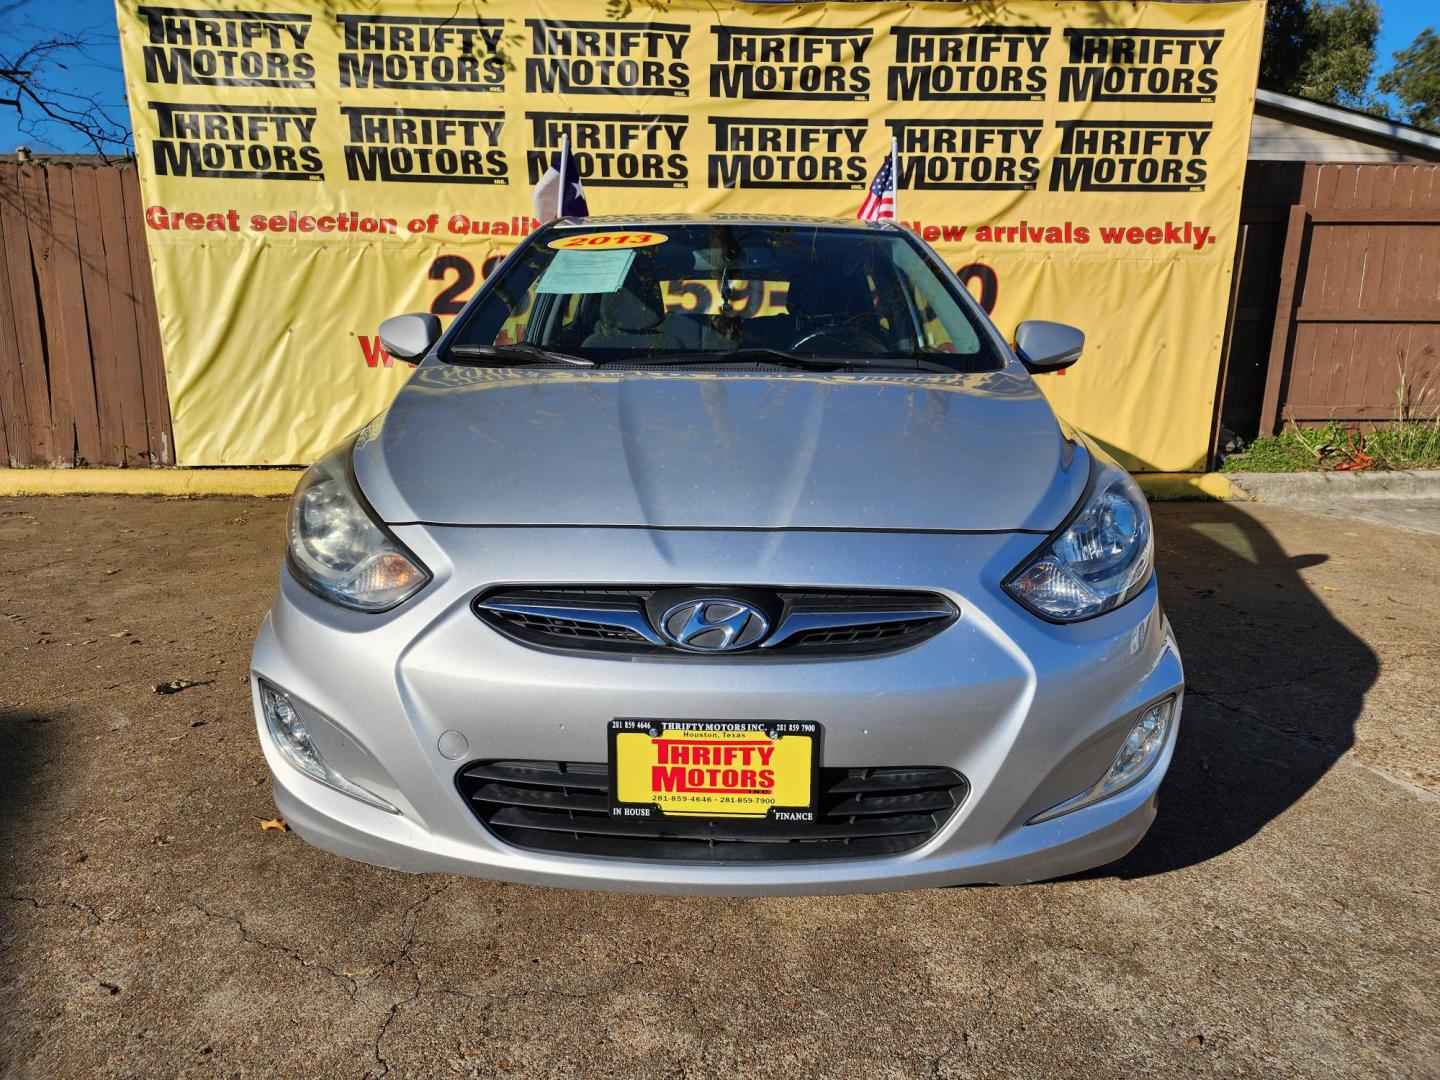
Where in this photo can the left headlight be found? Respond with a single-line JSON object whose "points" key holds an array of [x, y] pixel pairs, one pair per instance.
{"points": [[1097, 562], [339, 550]]}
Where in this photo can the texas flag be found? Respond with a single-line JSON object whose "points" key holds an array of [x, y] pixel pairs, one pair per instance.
{"points": [[879, 204], [559, 192]]}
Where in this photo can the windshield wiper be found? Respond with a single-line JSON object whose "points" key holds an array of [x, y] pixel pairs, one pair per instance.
{"points": [[779, 357], [521, 350]]}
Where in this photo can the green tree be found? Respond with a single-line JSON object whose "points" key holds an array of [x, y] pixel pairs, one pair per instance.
{"points": [[1323, 50], [1415, 81]]}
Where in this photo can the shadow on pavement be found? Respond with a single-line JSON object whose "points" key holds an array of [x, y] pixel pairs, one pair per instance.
{"points": [[24, 747], [1275, 685]]}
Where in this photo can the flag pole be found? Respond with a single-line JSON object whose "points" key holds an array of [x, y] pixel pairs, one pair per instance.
{"points": [[564, 168], [895, 173]]}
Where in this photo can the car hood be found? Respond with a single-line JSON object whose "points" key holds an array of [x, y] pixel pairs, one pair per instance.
{"points": [[493, 446]]}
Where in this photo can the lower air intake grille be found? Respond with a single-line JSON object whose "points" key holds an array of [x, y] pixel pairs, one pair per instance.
{"points": [[563, 807], [539, 626], [801, 622], [878, 634]]}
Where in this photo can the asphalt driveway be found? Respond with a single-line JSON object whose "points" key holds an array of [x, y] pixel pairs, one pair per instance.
{"points": [[1280, 919]]}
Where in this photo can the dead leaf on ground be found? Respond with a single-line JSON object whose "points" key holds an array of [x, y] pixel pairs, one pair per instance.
{"points": [[174, 686], [279, 824]]}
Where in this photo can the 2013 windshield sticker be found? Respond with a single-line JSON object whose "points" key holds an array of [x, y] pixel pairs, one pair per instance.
{"points": [[608, 241]]}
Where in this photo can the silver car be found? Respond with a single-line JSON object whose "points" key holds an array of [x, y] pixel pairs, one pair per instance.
{"points": [[720, 555]]}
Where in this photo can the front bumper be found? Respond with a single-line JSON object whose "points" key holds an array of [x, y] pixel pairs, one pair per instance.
{"points": [[1030, 713]]}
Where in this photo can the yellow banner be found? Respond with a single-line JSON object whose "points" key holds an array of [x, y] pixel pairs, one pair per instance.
{"points": [[308, 171]]}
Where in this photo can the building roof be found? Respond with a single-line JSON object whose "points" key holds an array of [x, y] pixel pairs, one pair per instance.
{"points": [[1295, 128]]}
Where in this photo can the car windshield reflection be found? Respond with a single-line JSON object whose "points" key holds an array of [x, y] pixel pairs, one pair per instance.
{"points": [[720, 292]]}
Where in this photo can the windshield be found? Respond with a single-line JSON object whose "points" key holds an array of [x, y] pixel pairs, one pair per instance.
{"points": [[616, 295]]}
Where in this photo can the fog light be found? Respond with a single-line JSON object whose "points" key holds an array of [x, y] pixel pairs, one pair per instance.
{"points": [[295, 746], [1140, 750]]}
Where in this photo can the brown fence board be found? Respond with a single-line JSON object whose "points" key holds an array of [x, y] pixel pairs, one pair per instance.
{"points": [[1364, 189], [1403, 197], [1377, 256], [95, 295], [14, 409], [1356, 245], [1347, 380], [121, 335], [1427, 191], [75, 362], [1281, 337], [35, 205], [1400, 251], [1383, 193], [24, 310], [1324, 193], [147, 326]]}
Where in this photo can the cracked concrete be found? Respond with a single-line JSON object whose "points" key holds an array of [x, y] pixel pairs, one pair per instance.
{"points": [[305, 962], [1279, 919]]}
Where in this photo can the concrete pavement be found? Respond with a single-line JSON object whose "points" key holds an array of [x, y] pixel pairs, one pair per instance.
{"points": [[1409, 500], [1280, 919]]}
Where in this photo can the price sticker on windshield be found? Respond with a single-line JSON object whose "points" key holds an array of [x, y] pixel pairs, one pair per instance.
{"points": [[590, 272], [608, 241]]}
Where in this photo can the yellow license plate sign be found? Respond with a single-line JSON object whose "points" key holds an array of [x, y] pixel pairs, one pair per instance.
{"points": [[758, 769]]}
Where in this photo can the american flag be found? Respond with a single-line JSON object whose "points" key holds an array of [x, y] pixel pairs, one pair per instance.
{"points": [[879, 204]]}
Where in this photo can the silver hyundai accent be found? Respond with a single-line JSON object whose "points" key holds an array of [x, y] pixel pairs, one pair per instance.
{"points": [[720, 555]]}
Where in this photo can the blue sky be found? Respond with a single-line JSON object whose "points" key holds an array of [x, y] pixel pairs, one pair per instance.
{"points": [[1400, 21], [98, 72]]}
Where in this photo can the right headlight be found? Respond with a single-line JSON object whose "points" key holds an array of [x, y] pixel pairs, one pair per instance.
{"points": [[1097, 562], [338, 550]]}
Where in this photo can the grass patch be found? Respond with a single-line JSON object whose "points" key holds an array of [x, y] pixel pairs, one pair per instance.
{"points": [[1413, 444]]}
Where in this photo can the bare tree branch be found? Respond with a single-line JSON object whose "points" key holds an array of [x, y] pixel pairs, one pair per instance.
{"points": [[38, 81]]}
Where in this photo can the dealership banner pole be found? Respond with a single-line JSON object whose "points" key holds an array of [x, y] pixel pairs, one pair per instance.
{"points": [[895, 176], [564, 168]]}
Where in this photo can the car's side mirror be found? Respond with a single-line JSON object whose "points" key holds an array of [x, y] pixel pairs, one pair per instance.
{"points": [[1048, 346], [409, 336]]}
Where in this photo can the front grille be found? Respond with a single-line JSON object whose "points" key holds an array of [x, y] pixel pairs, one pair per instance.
{"points": [[802, 622], [563, 808]]}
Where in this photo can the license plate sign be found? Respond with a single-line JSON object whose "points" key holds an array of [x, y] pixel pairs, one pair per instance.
{"points": [[757, 769]]}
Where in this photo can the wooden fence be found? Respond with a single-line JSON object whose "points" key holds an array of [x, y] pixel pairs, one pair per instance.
{"points": [[82, 381], [1356, 333], [1271, 188]]}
